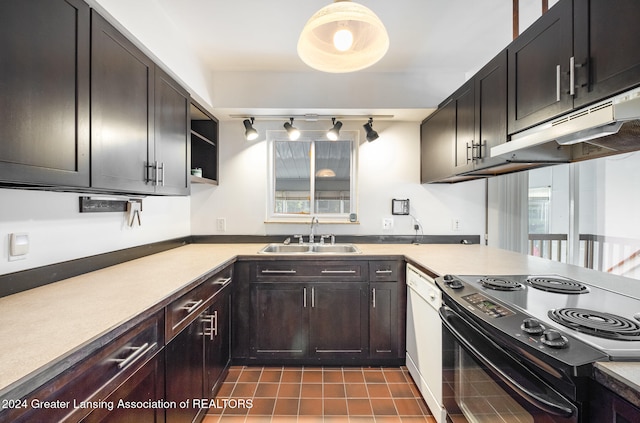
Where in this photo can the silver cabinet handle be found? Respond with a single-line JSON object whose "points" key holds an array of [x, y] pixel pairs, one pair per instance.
{"points": [[190, 306], [138, 352], [313, 297], [304, 297], [222, 281], [278, 272], [374, 298], [211, 319], [338, 272], [572, 76], [558, 83], [384, 272]]}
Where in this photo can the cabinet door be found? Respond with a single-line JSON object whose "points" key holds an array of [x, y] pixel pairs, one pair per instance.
{"points": [[437, 144], [606, 48], [44, 80], [146, 384], [383, 320], [184, 367], [538, 74], [122, 79], [217, 341], [279, 320], [491, 109], [338, 318], [465, 127], [172, 141]]}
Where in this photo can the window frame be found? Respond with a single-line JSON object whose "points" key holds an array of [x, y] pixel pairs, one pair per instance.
{"points": [[311, 136]]}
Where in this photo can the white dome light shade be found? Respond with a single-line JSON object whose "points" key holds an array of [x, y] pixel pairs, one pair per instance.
{"points": [[343, 37]]}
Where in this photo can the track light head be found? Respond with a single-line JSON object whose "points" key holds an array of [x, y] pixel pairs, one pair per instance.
{"points": [[334, 132], [368, 128], [293, 132], [250, 132]]}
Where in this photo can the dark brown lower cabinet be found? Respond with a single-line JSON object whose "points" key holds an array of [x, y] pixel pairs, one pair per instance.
{"points": [[383, 320], [279, 320], [607, 406], [145, 385], [184, 381], [197, 357], [217, 348], [338, 321], [319, 312]]}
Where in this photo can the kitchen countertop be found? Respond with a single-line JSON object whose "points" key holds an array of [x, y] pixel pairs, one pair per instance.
{"points": [[43, 325]]}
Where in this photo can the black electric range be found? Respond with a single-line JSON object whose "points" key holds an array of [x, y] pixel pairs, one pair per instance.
{"points": [[569, 320]]}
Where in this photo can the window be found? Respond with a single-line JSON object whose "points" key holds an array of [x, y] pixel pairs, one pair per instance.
{"points": [[312, 167], [601, 230]]}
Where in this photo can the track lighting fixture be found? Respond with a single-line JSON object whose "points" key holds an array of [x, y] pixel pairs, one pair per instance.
{"points": [[250, 132], [334, 132], [371, 134], [293, 132]]}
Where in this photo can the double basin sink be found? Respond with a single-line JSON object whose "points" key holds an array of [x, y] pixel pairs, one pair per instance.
{"points": [[310, 249]]}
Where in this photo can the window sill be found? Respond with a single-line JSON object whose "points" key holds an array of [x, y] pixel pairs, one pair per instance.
{"points": [[307, 222]]}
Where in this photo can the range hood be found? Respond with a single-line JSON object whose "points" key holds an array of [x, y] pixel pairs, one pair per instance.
{"points": [[609, 127]]}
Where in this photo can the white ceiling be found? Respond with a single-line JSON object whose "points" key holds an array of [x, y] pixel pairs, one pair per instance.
{"points": [[434, 46]]}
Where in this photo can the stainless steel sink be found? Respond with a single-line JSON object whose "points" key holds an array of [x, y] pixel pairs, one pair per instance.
{"points": [[310, 249], [335, 248]]}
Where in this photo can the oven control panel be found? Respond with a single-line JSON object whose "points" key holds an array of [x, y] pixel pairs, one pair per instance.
{"points": [[487, 306]]}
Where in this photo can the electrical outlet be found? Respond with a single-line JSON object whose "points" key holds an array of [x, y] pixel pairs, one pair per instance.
{"points": [[456, 225], [387, 223], [221, 224]]}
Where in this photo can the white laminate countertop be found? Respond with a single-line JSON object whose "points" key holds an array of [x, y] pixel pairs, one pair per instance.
{"points": [[42, 325]]}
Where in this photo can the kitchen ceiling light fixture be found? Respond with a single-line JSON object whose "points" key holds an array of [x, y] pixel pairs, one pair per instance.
{"points": [[343, 37], [250, 132], [325, 173], [293, 132], [368, 128], [334, 132]]}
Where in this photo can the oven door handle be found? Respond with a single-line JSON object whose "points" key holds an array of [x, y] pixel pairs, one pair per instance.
{"points": [[542, 403]]}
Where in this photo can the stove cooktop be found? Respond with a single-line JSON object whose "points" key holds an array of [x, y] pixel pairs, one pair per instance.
{"points": [[527, 305]]}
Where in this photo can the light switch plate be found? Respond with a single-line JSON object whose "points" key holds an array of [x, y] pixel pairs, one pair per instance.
{"points": [[18, 245]]}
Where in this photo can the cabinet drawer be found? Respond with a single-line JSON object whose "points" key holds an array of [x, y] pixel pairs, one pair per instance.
{"points": [[94, 378], [182, 311], [310, 271], [387, 270]]}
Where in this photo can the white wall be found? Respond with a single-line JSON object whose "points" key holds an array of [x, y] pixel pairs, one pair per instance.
{"points": [[59, 232], [388, 168]]}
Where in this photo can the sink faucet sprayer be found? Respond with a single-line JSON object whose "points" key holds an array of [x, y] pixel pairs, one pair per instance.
{"points": [[314, 221]]}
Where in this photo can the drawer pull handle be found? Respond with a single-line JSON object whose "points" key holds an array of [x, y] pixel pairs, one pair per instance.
{"points": [[222, 281], [192, 305], [211, 319], [138, 353], [384, 272], [338, 272], [278, 272]]}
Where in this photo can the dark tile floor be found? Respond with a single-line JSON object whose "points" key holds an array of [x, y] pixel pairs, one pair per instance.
{"points": [[318, 394]]}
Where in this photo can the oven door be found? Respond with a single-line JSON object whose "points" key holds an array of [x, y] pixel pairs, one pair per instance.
{"points": [[482, 383]]}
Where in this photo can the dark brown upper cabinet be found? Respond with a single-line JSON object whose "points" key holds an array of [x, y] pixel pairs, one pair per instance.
{"points": [[490, 85], [607, 57], [139, 119], [538, 68], [44, 81], [437, 144], [578, 53], [171, 136]]}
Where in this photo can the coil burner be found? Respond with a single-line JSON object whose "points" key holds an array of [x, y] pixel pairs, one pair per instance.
{"points": [[501, 284], [597, 323], [557, 285]]}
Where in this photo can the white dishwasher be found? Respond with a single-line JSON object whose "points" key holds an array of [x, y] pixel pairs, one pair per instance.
{"points": [[424, 339]]}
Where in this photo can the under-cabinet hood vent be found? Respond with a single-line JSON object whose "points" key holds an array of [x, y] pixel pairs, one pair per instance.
{"points": [[605, 128]]}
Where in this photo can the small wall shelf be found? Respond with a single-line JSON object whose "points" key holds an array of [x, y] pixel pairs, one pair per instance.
{"points": [[204, 145]]}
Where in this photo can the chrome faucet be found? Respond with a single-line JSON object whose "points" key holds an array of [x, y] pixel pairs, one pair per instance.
{"points": [[314, 221]]}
